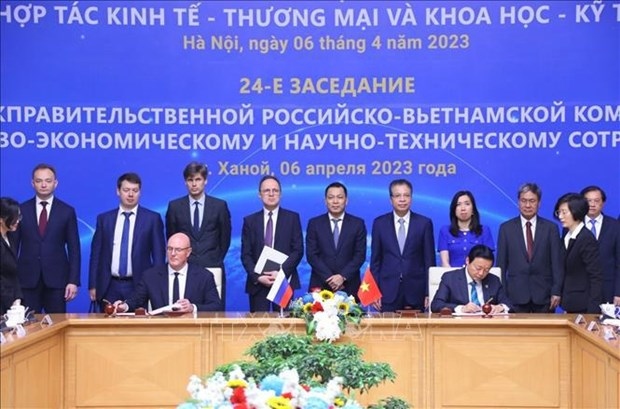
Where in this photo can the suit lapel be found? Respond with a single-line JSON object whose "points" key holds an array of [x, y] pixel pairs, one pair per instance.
{"points": [[463, 287], [521, 235], [137, 229], [163, 286]]}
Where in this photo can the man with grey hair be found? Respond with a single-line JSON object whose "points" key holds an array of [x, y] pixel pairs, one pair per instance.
{"points": [[529, 254]]}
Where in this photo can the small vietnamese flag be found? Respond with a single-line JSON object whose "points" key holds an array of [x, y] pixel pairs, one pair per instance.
{"points": [[369, 290]]}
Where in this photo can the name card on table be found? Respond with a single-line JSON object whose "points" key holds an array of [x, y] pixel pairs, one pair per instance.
{"points": [[593, 326], [20, 331], [609, 334], [580, 319], [46, 321]]}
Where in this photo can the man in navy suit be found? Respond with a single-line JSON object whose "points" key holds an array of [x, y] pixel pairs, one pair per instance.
{"points": [[607, 232], [402, 250], [336, 244], [285, 236], [49, 246], [532, 274], [145, 246], [189, 287], [205, 220], [468, 288]]}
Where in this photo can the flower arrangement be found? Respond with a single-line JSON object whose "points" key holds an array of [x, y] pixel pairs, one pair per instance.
{"points": [[327, 313], [272, 392]]}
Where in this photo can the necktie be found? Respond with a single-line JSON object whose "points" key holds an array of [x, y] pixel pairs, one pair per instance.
{"points": [[196, 217], [269, 231], [401, 234], [473, 294], [43, 219], [529, 240], [592, 222], [124, 257], [175, 288], [336, 231]]}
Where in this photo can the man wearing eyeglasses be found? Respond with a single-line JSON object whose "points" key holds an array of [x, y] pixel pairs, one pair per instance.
{"points": [[186, 287], [529, 254], [402, 250], [606, 230], [127, 241], [274, 227], [465, 290]]}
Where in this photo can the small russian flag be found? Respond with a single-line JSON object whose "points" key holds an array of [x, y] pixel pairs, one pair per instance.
{"points": [[281, 291]]}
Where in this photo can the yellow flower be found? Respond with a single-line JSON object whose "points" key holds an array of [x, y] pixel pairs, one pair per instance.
{"points": [[343, 308], [339, 401], [279, 402], [307, 308], [237, 383], [326, 295]]}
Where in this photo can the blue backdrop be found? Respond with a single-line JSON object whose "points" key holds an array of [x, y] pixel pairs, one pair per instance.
{"points": [[451, 95]]}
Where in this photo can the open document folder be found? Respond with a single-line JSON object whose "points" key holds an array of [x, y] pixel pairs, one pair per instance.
{"points": [[270, 260]]}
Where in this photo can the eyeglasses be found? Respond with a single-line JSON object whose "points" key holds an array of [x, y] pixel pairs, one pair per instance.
{"points": [[562, 212], [480, 269], [176, 250]]}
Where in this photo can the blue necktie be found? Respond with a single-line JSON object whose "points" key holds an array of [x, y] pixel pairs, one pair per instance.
{"points": [[401, 235], [592, 222], [124, 257], [473, 294], [196, 217], [336, 231]]}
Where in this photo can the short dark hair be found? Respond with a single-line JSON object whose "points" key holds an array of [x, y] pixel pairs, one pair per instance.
{"points": [[400, 182], [530, 187], [9, 210], [577, 206], [481, 251], [41, 166], [267, 177], [336, 185], [193, 168], [594, 188], [130, 177]]}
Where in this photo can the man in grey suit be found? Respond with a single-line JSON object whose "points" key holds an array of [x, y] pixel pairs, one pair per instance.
{"points": [[205, 220], [116, 265], [529, 253], [336, 244], [606, 230]]}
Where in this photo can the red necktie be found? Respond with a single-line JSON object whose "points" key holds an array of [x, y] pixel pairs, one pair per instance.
{"points": [[43, 219], [529, 240]]}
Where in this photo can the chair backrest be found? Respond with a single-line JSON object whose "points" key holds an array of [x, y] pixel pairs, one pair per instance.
{"points": [[435, 273]]}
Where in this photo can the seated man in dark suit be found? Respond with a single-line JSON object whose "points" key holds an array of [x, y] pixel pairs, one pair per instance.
{"points": [[190, 287], [466, 289]]}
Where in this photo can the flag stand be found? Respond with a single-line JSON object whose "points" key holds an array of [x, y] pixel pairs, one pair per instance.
{"points": [[368, 315], [281, 312]]}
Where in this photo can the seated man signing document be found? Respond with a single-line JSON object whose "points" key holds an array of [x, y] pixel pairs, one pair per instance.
{"points": [[465, 290], [187, 287]]}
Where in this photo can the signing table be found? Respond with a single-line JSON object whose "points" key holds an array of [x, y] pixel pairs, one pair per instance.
{"points": [[520, 361]]}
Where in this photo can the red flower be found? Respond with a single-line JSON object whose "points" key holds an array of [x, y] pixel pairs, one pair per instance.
{"points": [[238, 396], [316, 307], [306, 388], [241, 406], [287, 395], [315, 290]]}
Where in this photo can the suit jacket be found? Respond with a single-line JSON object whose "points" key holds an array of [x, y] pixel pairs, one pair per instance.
{"points": [[583, 278], [211, 243], [326, 259], [388, 265], [10, 290], [56, 256], [534, 281], [453, 291], [200, 289], [148, 247], [288, 239], [609, 248]]}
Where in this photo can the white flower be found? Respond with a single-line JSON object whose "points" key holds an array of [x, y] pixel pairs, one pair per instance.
{"points": [[327, 328]]}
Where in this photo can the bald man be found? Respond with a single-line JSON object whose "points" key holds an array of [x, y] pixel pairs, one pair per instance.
{"points": [[190, 287]]}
